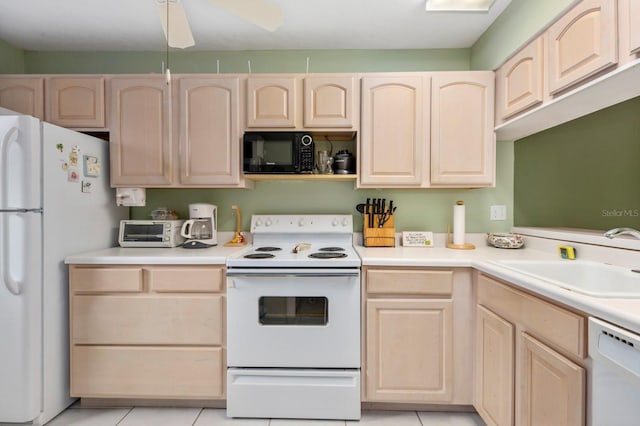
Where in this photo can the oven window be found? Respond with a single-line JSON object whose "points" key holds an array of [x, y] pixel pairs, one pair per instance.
{"points": [[277, 310]]}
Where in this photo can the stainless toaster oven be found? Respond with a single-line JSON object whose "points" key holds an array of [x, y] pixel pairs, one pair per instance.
{"points": [[150, 233]]}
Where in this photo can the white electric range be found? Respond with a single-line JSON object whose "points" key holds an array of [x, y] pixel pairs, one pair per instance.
{"points": [[293, 320]]}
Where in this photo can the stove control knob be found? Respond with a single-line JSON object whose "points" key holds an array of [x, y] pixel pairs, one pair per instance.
{"points": [[345, 222], [258, 223], [268, 222], [334, 222], [301, 222]]}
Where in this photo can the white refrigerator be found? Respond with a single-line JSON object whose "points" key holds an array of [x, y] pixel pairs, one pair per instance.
{"points": [[55, 201]]}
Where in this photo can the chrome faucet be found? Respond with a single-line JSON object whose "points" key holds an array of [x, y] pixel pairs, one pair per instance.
{"points": [[615, 232]]}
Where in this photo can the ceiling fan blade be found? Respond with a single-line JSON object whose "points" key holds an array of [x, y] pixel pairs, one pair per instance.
{"points": [[258, 12], [179, 33]]}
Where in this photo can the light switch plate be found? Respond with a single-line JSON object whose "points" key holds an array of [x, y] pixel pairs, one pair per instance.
{"points": [[498, 212]]}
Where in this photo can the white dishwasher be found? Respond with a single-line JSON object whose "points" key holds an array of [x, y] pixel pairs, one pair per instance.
{"points": [[615, 379]]}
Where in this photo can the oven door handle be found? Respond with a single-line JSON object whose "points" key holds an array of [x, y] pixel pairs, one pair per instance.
{"points": [[289, 275]]}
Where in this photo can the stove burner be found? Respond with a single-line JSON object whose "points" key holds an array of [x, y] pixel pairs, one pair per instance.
{"points": [[268, 248], [327, 255], [331, 249], [259, 256]]}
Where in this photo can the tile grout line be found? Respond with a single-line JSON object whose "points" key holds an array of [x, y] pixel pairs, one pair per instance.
{"points": [[125, 416], [419, 419], [198, 416]]}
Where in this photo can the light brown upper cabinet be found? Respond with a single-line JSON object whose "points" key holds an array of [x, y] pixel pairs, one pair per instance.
{"points": [[628, 30], [330, 101], [462, 137], [140, 124], [209, 126], [271, 102], [582, 43], [634, 25], [303, 102], [75, 101], [394, 138], [23, 94], [519, 81]]}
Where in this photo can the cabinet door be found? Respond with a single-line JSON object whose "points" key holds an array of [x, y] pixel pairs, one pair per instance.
{"points": [[209, 143], [634, 26], [147, 372], [329, 102], [462, 137], [194, 319], [552, 387], [75, 102], [494, 369], [394, 131], [409, 350], [23, 94], [581, 43], [271, 102], [140, 125], [520, 81]]}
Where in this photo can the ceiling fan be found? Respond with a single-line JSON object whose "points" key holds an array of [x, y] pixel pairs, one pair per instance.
{"points": [[178, 32]]}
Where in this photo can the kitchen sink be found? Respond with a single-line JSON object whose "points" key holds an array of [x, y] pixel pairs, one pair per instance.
{"points": [[590, 278]]}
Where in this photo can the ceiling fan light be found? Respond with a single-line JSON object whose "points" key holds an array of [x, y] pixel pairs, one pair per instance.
{"points": [[459, 5]]}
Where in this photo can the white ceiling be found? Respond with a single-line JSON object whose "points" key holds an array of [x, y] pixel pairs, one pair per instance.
{"points": [[134, 25]]}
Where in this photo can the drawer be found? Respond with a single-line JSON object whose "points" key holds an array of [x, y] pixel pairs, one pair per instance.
{"points": [[178, 279], [147, 372], [407, 281], [95, 280], [147, 319], [550, 323]]}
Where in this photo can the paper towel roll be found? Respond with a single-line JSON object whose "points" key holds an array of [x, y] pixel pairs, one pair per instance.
{"points": [[458, 223]]}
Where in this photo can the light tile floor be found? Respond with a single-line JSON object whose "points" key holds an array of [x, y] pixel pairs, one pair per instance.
{"points": [[142, 416]]}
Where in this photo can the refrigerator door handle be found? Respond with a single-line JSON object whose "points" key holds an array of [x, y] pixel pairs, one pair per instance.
{"points": [[9, 137], [12, 285]]}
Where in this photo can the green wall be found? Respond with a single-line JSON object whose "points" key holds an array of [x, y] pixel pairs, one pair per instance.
{"points": [[417, 209], [517, 24], [583, 174], [11, 59], [267, 61]]}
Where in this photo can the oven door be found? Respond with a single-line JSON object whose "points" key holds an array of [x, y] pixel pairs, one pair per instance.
{"points": [[293, 320]]}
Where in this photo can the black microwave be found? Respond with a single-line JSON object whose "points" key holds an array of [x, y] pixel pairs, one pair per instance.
{"points": [[278, 152]]}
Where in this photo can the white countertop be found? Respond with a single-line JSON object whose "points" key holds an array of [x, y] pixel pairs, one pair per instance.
{"points": [[216, 255], [623, 312]]}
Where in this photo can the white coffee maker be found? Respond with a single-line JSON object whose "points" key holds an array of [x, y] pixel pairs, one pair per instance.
{"points": [[201, 230]]}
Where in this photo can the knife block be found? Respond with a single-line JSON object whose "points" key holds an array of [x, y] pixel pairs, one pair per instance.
{"points": [[379, 237]]}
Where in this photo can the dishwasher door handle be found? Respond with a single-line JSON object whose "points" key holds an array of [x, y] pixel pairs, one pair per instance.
{"points": [[622, 355]]}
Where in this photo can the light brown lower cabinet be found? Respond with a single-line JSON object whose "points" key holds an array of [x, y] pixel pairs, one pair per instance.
{"points": [[494, 368], [147, 332], [417, 339], [530, 363]]}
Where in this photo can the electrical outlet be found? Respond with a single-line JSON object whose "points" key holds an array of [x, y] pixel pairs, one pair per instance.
{"points": [[498, 212]]}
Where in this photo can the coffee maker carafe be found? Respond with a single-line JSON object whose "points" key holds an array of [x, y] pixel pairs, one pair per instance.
{"points": [[201, 228]]}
